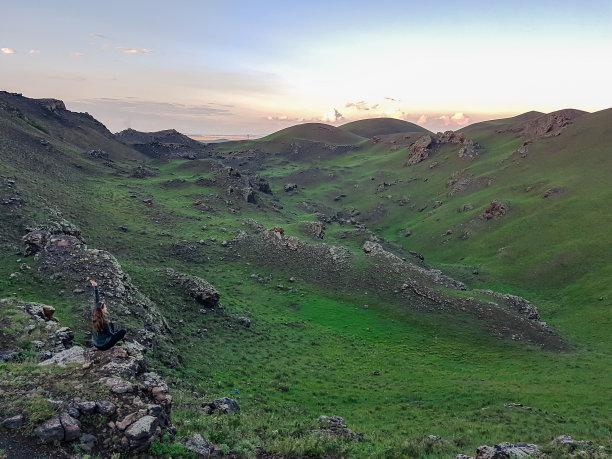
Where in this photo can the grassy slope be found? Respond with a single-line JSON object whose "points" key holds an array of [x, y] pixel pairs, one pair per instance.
{"points": [[317, 354], [381, 126]]}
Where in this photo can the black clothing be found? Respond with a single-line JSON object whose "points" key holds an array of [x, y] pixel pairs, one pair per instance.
{"points": [[108, 337]]}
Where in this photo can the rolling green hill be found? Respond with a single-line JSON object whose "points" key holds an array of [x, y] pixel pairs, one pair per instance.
{"points": [[381, 126], [337, 277]]}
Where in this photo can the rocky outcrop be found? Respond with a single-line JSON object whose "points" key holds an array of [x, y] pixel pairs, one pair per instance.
{"points": [[495, 210], [223, 405], [64, 256], [335, 426], [195, 287], [504, 451], [315, 230], [420, 150], [53, 105], [520, 305]]}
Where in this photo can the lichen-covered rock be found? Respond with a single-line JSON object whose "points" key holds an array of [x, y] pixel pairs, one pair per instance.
{"points": [[105, 407], [199, 445], [141, 433], [315, 230]]}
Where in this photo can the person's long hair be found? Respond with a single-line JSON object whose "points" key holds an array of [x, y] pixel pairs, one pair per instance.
{"points": [[99, 319]]}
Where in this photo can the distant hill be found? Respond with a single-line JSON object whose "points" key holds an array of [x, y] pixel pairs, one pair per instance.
{"points": [[43, 120], [530, 124], [381, 126], [167, 136], [168, 143], [315, 132]]}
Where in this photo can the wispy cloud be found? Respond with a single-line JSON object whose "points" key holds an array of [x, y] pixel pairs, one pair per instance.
{"points": [[34, 51], [98, 35], [458, 119], [134, 50], [361, 105], [392, 99], [285, 118], [148, 107], [77, 54], [8, 51]]}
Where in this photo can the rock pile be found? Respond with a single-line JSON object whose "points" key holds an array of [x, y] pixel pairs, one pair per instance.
{"points": [[495, 210], [223, 405]]}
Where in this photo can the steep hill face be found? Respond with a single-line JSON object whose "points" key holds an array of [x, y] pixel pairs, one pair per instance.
{"points": [[376, 127], [28, 121]]}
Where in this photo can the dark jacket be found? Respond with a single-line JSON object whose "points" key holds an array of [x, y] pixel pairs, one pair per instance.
{"points": [[99, 339]]}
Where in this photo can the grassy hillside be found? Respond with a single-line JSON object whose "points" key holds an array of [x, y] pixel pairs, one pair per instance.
{"points": [[394, 372], [381, 126]]}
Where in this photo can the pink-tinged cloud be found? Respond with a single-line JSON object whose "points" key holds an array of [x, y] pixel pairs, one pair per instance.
{"points": [[77, 54], [34, 51], [460, 119], [134, 50], [285, 118], [422, 119], [98, 35], [8, 51]]}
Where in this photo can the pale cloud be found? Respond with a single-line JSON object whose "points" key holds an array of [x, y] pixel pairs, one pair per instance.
{"points": [[422, 119], [460, 119], [392, 99], [361, 105], [286, 118], [332, 115], [98, 35], [77, 54], [34, 51], [134, 50], [8, 51]]}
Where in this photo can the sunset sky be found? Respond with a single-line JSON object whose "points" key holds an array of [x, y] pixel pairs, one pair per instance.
{"points": [[253, 67]]}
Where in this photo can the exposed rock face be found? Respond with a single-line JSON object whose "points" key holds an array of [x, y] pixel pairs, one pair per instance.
{"points": [[495, 210], [315, 230], [197, 288], [140, 434], [335, 426], [521, 305], [64, 256], [550, 124], [223, 405], [420, 150], [50, 430], [53, 105]]}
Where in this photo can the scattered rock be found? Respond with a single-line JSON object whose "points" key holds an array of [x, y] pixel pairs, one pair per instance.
{"points": [[50, 430], [105, 407], [290, 187], [203, 292], [140, 434], [495, 210], [335, 426], [466, 208], [553, 191], [315, 230], [223, 405], [13, 422], [72, 427], [199, 445], [518, 405]]}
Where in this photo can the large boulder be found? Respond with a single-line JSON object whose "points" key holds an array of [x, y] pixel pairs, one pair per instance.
{"points": [[75, 354], [51, 430], [336, 427], [507, 450], [141, 434], [197, 288]]}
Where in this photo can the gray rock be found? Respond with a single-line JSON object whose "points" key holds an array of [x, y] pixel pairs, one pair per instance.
{"points": [[86, 407], [141, 433], [203, 292], [50, 430], [463, 456], [570, 443], [507, 450], [223, 405], [73, 355], [88, 442], [335, 426], [72, 427], [199, 445], [13, 422], [8, 356], [105, 407]]}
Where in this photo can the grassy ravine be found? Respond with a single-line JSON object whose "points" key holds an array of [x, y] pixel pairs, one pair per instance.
{"points": [[394, 375]]}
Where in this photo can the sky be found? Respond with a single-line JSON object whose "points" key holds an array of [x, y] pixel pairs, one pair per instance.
{"points": [[253, 67]]}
